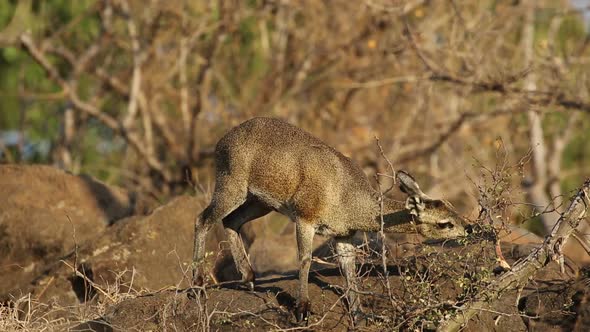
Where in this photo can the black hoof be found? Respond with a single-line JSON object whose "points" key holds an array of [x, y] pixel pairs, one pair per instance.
{"points": [[197, 289], [302, 312], [250, 285], [249, 281], [198, 280]]}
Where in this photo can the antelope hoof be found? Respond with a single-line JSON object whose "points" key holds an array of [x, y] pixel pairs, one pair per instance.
{"points": [[196, 290], [198, 280], [302, 312], [249, 280]]}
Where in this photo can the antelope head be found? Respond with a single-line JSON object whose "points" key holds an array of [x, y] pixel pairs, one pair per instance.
{"points": [[433, 218]]}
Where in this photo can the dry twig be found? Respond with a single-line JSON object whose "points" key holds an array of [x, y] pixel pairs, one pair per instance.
{"points": [[521, 272]]}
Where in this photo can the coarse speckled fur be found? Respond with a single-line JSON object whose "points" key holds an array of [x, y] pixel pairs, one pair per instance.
{"points": [[267, 164]]}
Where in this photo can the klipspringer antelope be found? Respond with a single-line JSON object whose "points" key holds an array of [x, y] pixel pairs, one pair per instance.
{"points": [[266, 164]]}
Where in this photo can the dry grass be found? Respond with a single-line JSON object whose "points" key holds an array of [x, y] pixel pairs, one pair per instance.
{"points": [[27, 313]]}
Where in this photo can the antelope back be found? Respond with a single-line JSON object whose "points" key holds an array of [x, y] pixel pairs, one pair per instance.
{"points": [[291, 170]]}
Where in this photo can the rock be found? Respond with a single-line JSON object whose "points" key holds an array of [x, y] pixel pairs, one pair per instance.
{"points": [[150, 252], [45, 212]]}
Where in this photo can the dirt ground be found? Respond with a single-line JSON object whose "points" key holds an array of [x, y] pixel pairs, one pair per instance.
{"points": [[126, 270], [551, 302]]}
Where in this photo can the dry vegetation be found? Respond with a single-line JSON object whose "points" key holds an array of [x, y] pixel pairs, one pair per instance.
{"points": [[486, 101], [134, 274]]}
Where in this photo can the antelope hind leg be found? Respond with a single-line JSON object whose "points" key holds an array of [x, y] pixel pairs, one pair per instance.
{"points": [[227, 197]]}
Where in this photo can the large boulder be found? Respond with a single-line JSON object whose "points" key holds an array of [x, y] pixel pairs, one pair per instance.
{"points": [[150, 252], [45, 213]]}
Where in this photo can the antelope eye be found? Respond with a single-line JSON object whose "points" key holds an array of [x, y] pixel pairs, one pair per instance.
{"points": [[445, 225]]}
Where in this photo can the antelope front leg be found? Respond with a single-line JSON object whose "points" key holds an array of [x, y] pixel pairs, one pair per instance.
{"points": [[346, 252], [305, 232]]}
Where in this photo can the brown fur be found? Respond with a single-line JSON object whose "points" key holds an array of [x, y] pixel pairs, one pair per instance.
{"points": [[266, 165]]}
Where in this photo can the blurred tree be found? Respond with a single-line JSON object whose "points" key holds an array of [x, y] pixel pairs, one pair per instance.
{"points": [[133, 92]]}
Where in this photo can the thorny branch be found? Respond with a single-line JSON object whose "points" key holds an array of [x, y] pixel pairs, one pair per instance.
{"points": [[533, 96], [389, 164], [453, 128], [382, 226], [551, 250]]}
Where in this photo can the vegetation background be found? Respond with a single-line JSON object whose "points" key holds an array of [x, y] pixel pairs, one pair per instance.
{"points": [[459, 92]]}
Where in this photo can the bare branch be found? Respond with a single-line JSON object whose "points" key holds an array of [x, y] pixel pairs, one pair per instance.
{"points": [[389, 164], [137, 60], [453, 128], [38, 56], [182, 77], [91, 109], [521, 272]]}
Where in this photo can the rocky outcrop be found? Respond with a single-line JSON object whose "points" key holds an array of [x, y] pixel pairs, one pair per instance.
{"points": [[45, 212]]}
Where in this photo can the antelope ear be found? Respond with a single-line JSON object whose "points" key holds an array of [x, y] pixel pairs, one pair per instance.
{"points": [[415, 206], [408, 185]]}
